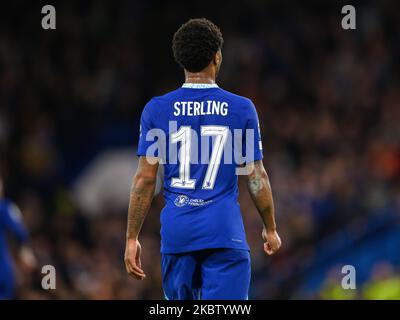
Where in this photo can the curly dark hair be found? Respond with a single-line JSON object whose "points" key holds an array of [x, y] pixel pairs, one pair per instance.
{"points": [[195, 44]]}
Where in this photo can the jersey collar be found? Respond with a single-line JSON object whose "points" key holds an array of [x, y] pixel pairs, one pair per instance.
{"points": [[199, 85]]}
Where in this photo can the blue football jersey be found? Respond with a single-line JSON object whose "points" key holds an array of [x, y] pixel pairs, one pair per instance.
{"points": [[201, 133]]}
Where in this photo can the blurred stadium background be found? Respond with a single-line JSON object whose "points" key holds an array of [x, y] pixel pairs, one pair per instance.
{"points": [[329, 106]]}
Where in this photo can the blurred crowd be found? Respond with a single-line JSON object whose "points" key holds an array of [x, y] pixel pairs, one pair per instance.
{"points": [[327, 98]]}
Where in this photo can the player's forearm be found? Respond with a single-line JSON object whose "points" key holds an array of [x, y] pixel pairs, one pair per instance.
{"points": [[261, 193], [142, 192]]}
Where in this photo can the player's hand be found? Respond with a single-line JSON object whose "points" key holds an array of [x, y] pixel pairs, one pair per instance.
{"points": [[272, 241], [132, 259]]}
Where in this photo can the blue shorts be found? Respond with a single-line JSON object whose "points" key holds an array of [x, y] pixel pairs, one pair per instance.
{"points": [[212, 274]]}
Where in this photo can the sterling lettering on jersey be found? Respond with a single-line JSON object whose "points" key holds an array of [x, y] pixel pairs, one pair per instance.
{"points": [[202, 108]]}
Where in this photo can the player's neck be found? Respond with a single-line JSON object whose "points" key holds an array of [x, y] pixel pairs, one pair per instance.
{"points": [[199, 77]]}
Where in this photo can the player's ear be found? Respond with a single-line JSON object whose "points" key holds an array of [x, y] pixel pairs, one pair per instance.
{"points": [[217, 58]]}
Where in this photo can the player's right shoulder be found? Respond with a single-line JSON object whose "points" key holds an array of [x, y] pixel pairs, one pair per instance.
{"points": [[237, 99]]}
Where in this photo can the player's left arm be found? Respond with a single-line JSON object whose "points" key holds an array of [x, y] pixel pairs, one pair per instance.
{"points": [[259, 186], [142, 192], [260, 190]]}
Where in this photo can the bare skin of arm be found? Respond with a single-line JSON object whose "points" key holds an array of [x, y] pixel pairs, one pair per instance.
{"points": [[142, 192], [261, 193]]}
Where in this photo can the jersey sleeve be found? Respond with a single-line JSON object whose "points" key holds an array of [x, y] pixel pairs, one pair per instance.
{"points": [[12, 220], [147, 123], [252, 144]]}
